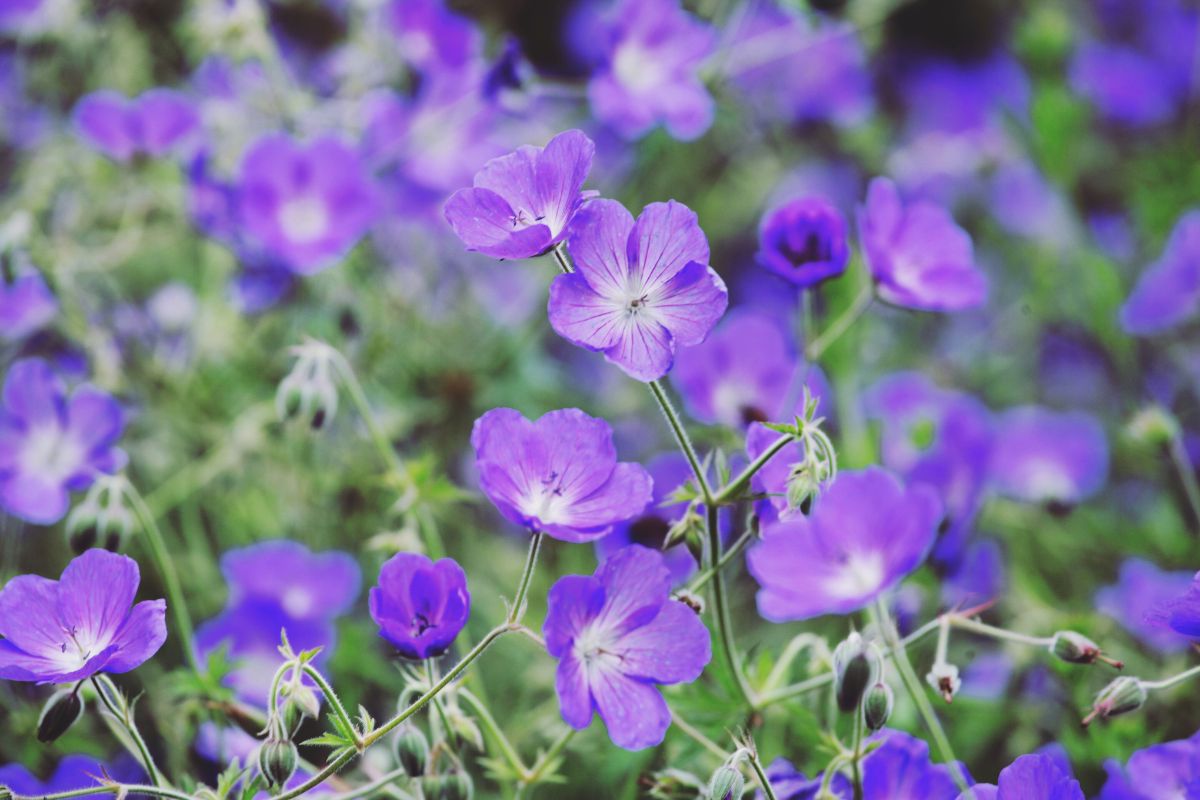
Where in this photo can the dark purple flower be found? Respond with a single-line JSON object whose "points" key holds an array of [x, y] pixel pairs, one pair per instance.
{"points": [[420, 605], [156, 123], [304, 584], [617, 634], [73, 772], [521, 203], [1168, 293], [639, 290], [789, 783], [1168, 770], [558, 475], [1142, 588], [1045, 456], [81, 624], [919, 257], [26, 304], [804, 241], [51, 444], [650, 71], [1030, 777], [306, 203], [865, 533], [431, 37]]}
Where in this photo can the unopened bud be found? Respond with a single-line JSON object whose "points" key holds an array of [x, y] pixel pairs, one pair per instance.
{"points": [[686, 527], [113, 524], [1075, 648], [803, 484], [1123, 695], [58, 715], [1153, 425], [301, 700], [727, 783], [455, 786], [856, 665], [309, 392], [277, 760], [944, 679], [878, 705], [412, 750]]}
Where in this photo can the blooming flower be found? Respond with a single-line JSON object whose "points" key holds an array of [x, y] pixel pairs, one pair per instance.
{"points": [[1171, 769], [1142, 588], [307, 203], [430, 36], [1030, 777], [51, 444], [1168, 293], [1044, 456], [616, 634], [155, 123], [866, 532], [649, 74], [420, 605], [304, 584], [26, 304], [919, 257], [804, 241], [639, 290], [81, 624], [521, 203], [1180, 613], [73, 772], [558, 475]]}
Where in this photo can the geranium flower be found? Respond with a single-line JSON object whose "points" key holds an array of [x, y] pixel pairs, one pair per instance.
{"points": [[156, 123], [420, 605], [1030, 777], [804, 241], [1044, 456]]}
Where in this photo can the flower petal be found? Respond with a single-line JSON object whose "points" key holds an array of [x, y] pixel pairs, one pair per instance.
{"points": [[27, 615], [644, 349], [623, 496], [598, 242], [691, 303], [483, 220], [674, 647], [582, 316], [573, 602], [165, 118], [666, 238], [574, 695], [637, 584], [140, 636], [33, 498], [102, 120], [95, 594], [635, 713], [94, 418], [33, 393]]}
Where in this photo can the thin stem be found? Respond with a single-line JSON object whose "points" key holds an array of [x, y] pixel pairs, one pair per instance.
{"points": [[696, 736], [733, 488], [335, 703], [564, 260], [124, 716], [815, 349], [681, 436], [492, 729], [542, 764], [518, 605], [704, 577], [119, 789], [1174, 680], [1187, 477], [763, 780], [369, 788], [996, 633], [721, 607]]}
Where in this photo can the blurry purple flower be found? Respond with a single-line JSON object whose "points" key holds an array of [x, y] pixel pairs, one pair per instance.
{"points": [[1030, 777], [420, 605], [639, 290], [430, 36], [26, 304], [987, 676], [1026, 204], [919, 257], [865, 533], [84, 623], [51, 445], [307, 203], [1044, 456], [73, 772], [521, 203], [804, 241], [260, 285], [222, 745], [18, 14], [1142, 588], [789, 783], [1168, 293], [304, 584], [155, 123], [558, 475], [1114, 234], [957, 97], [650, 74], [1167, 770], [977, 575], [617, 634], [1180, 613]]}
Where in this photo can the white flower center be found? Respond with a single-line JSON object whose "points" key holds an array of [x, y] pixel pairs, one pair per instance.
{"points": [[304, 219], [861, 574], [595, 647], [297, 602], [1045, 479], [637, 69], [547, 503], [51, 454]]}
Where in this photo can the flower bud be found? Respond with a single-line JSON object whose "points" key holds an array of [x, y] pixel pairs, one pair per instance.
{"points": [[58, 715], [301, 700], [803, 484], [1123, 695], [1153, 425], [878, 705], [727, 783], [453, 786], [309, 392], [114, 523], [412, 750], [944, 679], [856, 665], [1075, 648], [277, 760]]}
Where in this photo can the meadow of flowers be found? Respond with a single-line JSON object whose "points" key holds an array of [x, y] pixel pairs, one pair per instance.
{"points": [[450, 399]]}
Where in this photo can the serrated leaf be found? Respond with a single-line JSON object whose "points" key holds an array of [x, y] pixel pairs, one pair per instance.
{"points": [[328, 740]]}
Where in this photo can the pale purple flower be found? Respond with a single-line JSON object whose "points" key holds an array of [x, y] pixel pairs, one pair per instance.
{"points": [[521, 204], [650, 72], [804, 241], [420, 605], [52, 444], [558, 475], [306, 203], [919, 257], [26, 304], [1168, 770], [430, 36], [156, 123], [1030, 777], [639, 290], [1044, 456], [1180, 613], [1141, 588], [16, 15], [1168, 293], [304, 584], [81, 624], [864, 534], [976, 574], [617, 635], [957, 97]]}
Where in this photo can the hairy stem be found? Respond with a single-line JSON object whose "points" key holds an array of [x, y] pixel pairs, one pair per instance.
{"points": [[704, 577], [1174, 680], [518, 605], [119, 708], [730, 491], [335, 703], [681, 437], [721, 608], [862, 301]]}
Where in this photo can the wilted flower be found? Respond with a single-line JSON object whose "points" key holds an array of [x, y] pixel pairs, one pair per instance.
{"points": [[420, 605], [1044, 456], [804, 241], [156, 123], [944, 680], [1121, 696]]}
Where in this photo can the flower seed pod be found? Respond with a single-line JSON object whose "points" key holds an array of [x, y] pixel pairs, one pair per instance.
{"points": [[58, 715], [1123, 695], [727, 783], [277, 760], [944, 679], [878, 705], [1075, 648], [412, 751], [856, 665]]}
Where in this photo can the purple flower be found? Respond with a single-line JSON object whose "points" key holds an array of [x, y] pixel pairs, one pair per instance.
{"points": [[420, 605], [789, 783], [865, 533], [307, 203], [616, 634], [521, 203], [26, 304], [304, 584], [73, 772], [16, 15], [804, 241], [976, 574], [155, 123], [1030, 777], [51, 444], [956, 97], [558, 475], [431, 37], [1142, 588], [1168, 293], [1180, 613], [1044, 456], [649, 74], [639, 290], [1167, 770], [919, 257], [81, 624]]}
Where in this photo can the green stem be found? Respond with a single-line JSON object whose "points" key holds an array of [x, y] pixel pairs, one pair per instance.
{"points": [[1174, 680], [735, 548], [815, 349], [370, 788], [681, 436], [696, 736], [564, 260], [335, 703], [119, 708], [119, 789], [1191, 488], [856, 760], [763, 780], [492, 729], [542, 764], [735, 487], [997, 633], [721, 607], [518, 605]]}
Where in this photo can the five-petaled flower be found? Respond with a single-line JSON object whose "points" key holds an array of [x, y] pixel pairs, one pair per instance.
{"points": [[558, 475], [420, 605], [639, 289], [84, 623], [156, 123], [617, 634]]}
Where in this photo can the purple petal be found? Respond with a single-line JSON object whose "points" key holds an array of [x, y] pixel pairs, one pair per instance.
{"points": [[579, 451], [573, 602], [94, 418], [95, 594], [644, 349], [484, 221], [27, 618], [598, 245], [562, 169], [634, 712], [624, 495], [34, 498], [165, 119], [665, 239], [33, 393], [303, 583], [102, 119], [673, 648], [25, 306], [582, 316], [691, 303], [636, 584], [140, 636], [574, 695]]}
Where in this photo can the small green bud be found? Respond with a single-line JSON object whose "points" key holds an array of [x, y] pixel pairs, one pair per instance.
{"points": [[1075, 648], [412, 750], [727, 783], [1123, 695], [58, 715], [803, 484], [856, 665], [455, 786], [944, 679], [1153, 425], [277, 760], [301, 701], [878, 705]]}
